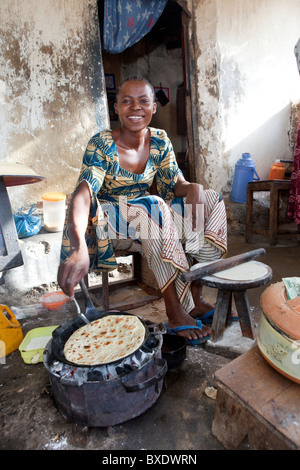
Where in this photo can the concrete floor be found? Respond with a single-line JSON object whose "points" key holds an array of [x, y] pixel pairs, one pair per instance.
{"points": [[181, 418]]}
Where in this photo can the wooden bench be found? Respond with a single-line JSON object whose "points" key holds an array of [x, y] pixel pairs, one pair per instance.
{"points": [[255, 400]]}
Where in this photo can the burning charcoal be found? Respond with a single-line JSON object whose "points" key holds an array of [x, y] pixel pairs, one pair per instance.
{"points": [[80, 375], [56, 367], [151, 342], [95, 375]]}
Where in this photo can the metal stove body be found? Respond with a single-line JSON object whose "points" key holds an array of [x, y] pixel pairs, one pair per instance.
{"points": [[109, 394]]}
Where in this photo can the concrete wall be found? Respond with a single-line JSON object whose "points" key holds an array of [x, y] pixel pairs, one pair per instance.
{"points": [[51, 86], [244, 83], [51, 90]]}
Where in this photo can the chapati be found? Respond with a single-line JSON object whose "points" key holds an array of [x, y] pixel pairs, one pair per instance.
{"points": [[244, 272], [105, 340]]}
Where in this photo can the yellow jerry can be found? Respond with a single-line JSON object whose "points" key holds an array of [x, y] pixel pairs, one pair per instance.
{"points": [[11, 334]]}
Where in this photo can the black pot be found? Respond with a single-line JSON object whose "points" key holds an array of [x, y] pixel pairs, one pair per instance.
{"points": [[173, 349], [101, 403]]}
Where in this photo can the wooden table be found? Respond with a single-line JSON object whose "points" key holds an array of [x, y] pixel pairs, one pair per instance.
{"points": [[255, 400], [274, 187]]}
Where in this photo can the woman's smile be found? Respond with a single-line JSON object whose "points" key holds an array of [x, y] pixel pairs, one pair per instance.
{"points": [[135, 118]]}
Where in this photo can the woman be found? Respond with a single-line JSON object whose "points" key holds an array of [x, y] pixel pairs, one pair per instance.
{"points": [[111, 205]]}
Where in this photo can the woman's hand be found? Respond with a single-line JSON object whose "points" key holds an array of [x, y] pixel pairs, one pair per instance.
{"points": [[73, 269], [195, 201]]}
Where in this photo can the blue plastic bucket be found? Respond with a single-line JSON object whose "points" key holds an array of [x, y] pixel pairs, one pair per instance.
{"points": [[244, 173]]}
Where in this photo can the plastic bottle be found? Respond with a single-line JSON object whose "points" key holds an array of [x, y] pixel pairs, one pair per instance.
{"points": [[27, 311], [244, 173], [277, 171]]}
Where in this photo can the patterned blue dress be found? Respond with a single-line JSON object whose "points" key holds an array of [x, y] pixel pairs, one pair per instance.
{"points": [[121, 208]]}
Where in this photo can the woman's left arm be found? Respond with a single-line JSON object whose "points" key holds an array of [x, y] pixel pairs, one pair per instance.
{"points": [[195, 198]]}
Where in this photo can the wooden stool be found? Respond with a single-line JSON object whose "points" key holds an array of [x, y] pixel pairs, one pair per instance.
{"points": [[237, 289], [254, 400], [275, 187], [106, 288]]}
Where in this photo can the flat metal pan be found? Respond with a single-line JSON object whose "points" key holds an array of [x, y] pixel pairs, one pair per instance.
{"points": [[61, 334]]}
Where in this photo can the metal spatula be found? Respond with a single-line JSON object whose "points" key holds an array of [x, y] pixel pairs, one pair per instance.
{"points": [[80, 312], [90, 309]]}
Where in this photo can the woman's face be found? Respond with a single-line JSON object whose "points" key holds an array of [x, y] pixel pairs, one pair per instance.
{"points": [[135, 105]]}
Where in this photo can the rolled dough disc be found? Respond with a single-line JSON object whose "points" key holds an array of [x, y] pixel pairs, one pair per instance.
{"points": [[243, 272]]}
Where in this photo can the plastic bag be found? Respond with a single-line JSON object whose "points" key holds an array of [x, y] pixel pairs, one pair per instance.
{"points": [[27, 224]]}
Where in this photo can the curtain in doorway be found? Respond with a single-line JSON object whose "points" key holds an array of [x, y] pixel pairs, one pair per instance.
{"points": [[127, 21]]}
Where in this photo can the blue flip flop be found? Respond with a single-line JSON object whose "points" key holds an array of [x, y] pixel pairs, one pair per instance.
{"points": [[235, 318], [207, 319], [191, 342]]}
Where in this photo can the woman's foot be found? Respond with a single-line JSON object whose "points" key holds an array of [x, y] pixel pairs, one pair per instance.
{"points": [[202, 307], [182, 319], [178, 317]]}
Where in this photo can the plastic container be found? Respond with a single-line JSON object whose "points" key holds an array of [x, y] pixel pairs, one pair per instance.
{"points": [[34, 343], [54, 300], [11, 334], [278, 330], [244, 173], [277, 171], [54, 208]]}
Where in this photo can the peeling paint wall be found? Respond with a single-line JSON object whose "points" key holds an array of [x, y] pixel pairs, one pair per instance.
{"points": [[51, 90], [208, 170], [245, 83]]}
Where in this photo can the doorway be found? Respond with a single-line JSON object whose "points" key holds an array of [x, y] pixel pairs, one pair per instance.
{"points": [[160, 57]]}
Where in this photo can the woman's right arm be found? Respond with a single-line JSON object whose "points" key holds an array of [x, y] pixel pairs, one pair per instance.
{"points": [[76, 266]]}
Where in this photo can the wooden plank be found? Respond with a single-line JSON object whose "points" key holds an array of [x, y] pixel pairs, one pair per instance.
{"points": [[184, 6], [261, 438], [231, 421], [221, 265], [272, 399]]}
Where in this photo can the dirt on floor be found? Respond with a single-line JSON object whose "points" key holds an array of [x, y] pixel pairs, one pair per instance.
{"points": [[181, 418]]}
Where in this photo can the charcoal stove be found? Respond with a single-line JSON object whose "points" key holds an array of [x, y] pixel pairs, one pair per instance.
{"points": [[108, 394]]}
